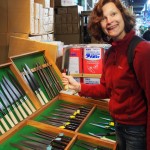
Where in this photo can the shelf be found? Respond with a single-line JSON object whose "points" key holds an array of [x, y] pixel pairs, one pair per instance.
{"points": [[87, 75]]}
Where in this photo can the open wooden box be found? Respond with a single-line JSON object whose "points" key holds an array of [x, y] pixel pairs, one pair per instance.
{"points": [[55, 102]]}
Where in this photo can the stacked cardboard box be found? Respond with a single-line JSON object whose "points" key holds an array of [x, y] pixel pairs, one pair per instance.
{"points": [[67, 24], [34, 17], [21, 19]]}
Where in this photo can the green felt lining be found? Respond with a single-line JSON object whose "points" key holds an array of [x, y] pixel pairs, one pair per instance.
{"points": [[31, 60]]}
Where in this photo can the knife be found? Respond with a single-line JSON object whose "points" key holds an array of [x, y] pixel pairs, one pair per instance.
{"points": [[2, 96], [6, 116], [21, 91], [10, 100], [4, 122], [45, 75], [36, 83], [33, 87], [15, 99], [52, 74], [45, 141], [104, 127], [2, 130], [13, 88], [21, 147]]}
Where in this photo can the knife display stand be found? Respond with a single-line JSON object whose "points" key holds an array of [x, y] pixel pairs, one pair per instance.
{"points": [[33, 78]]}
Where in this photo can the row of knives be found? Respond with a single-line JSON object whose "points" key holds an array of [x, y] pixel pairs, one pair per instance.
{"points": [[15, 106]]}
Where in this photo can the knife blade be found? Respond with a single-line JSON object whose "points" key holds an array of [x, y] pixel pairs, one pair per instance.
{"points": [[101, 126], [101, 137], [52, 74], [33, 87], [2, 96], [36, 84], [21, 147], [43, 82], [15, 99], [45, 141], [20, 90], [34, 145], [43, 71], [10, 100], [13, 88]]}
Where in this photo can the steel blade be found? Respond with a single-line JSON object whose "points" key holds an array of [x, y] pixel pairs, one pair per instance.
{"points": [[32, 77], [29, 81], [34, 145], [6, 103], [104, 127], [14, 97], [10, 100], [21, 147], [16, 84], [13, 88]]}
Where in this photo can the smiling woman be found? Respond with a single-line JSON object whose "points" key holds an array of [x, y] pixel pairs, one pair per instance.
{"points": [[111, 22], [98, 18]]}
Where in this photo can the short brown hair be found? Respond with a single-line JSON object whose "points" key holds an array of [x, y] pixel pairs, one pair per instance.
{"points": [[95, 17]]}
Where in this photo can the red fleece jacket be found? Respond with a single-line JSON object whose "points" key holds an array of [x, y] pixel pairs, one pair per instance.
{"points": [[126, 105]]}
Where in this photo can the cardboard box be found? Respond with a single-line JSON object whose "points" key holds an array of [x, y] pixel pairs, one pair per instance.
{"points": [[21, 16], [64, 28], [3, 16], [69, 18], [61, 10], [75, 9], [93, 60], [51, 11], [58, 28], [19, 46], [3, 48], [68, 38], [45, 12], [50, 37], [75, 28], [64, 2], [75, 60], [69, 28], [45, 3], [58, 19], [64, 18], [36, 10]]}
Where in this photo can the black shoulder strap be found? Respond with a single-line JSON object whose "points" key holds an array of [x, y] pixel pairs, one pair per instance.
{"points": [[135, 40]]}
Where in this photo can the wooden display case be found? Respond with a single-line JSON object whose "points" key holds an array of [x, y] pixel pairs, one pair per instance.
{"points": [[55, 103]]}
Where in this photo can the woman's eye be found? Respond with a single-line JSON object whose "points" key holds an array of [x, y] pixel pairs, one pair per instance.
{"points": [[113, 14], [103, 19]]}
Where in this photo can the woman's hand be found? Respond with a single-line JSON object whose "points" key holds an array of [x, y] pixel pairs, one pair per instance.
{"points": [[70, 83]]}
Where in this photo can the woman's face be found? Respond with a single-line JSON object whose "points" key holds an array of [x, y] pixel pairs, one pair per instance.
{"points": [[112, 22]]}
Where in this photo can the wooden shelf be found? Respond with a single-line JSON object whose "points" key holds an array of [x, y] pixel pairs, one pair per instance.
{"points": [[87, 75]]}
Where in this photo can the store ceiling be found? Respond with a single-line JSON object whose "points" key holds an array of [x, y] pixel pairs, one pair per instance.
{"points": [[138, 5]]}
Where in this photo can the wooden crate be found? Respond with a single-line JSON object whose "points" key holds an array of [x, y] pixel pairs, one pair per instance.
{"points": [[32, 120]]}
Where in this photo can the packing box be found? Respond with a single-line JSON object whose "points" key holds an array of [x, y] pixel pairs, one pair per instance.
{"points": [[93, 60]]}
